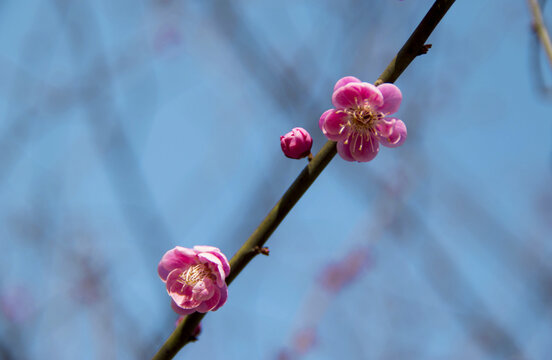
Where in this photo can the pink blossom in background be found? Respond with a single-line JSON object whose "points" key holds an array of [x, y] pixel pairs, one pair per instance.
{"points": [[166, 38], [195, 278], [338, 275], [16, 305], [360, 122], [304, 340], [296, 144]]}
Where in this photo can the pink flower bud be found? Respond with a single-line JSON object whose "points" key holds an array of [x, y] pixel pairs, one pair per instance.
{"points": [[195, 278], [296, 144], [197, 331]]}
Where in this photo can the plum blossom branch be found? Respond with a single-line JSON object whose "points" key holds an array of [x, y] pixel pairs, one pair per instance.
{"points": [[182, 334], [412, 48], [540, 28]]}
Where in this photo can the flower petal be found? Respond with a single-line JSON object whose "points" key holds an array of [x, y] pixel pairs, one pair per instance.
{"points": [[175, 258], [182, 294], [354, 94], [392, 98], [206, 248], [335, 125], [344, 81], [215, 265], [215, 251], [344, 152], [223, 297], [397, 136], [211, 303], [322, 119], [370, 94], [364, 147], [204, 290], [348, 96], [180, 310], [385, 126], [224, 261]]}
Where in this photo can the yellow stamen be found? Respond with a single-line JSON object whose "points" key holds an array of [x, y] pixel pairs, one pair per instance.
{"points": [[194, 274]]}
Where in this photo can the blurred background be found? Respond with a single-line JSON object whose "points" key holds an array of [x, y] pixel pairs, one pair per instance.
{"points": [[129, 127]]}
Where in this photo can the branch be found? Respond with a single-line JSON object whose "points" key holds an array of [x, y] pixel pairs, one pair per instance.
{"points": [[540, 28], [413, 47]]}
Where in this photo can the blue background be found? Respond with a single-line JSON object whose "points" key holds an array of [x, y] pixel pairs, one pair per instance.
{"points": [[130, 127]]}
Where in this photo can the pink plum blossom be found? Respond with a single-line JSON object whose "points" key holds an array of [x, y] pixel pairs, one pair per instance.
{"points": [[195, 278], [296, 144], [360, 121]]}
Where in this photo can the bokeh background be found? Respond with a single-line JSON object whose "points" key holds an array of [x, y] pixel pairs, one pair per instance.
{"points": [[129, 127]]}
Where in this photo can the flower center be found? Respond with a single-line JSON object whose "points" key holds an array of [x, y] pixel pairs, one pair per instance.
{"points": [[363, 119], [194, 274]]}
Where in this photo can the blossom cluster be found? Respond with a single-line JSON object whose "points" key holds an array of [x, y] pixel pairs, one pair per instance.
{"points": [[359, 123]]}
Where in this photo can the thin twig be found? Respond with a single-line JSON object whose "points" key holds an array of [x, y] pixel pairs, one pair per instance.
{"points": [[540, 28], [182, 334], [415, 43]]}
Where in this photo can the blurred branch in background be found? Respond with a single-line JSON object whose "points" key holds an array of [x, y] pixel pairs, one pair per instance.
{"points": [[541, 41], [540, 28], [31, 100], [114, 147], [16, 132]]}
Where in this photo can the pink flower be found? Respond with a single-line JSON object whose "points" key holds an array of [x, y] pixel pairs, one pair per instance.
{"points": [[296, 144], [360, 122], [338, 275], [195, 278]]}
